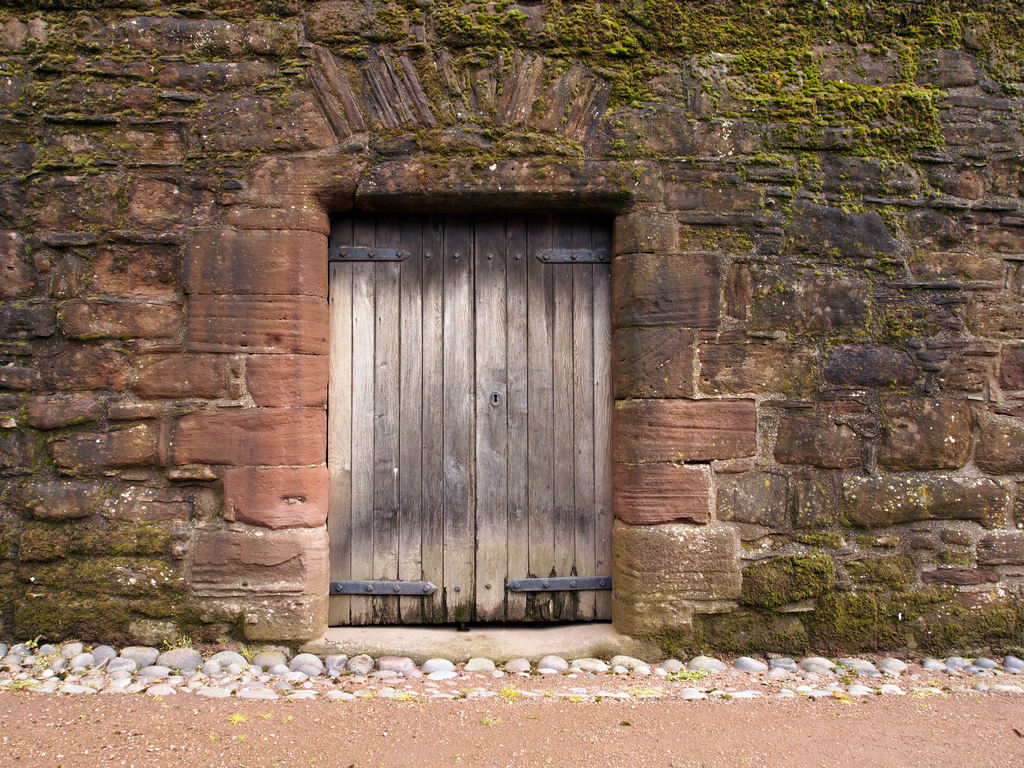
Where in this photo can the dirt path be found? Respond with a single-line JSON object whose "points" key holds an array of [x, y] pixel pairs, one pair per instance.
{"points": [[71, 731]]}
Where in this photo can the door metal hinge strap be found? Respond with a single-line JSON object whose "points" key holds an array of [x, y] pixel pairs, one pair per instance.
{"points": [[574, 255], [363, 253], [560, 584], [362, 587]]}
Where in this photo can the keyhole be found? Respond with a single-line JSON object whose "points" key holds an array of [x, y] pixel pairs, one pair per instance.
{"points": [[495, 398]]}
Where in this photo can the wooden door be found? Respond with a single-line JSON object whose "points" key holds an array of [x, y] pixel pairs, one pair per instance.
{"points": [[469, 414]]}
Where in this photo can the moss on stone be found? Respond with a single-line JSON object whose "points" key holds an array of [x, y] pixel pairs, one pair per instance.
{"points": [[784, 580], [829, 539], [887, 571], [41, 541], [57, 614], [749, 631]]}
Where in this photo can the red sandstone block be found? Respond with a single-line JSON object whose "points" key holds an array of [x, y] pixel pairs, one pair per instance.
{"points": [[182, 376], [85, 367], [657, 289], [277, 497], [648, 494], [250, 436], [52, 411], [85, 319], [287, 380], [129, 447], [646, 431], [256, 262], [307, 219], [267, 324], [1011, 368]]}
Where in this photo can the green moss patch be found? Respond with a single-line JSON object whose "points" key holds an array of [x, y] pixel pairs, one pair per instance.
{"points": [[783, 580]]}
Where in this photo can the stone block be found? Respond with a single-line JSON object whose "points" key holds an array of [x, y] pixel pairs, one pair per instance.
{"points": [[257, 324], [17, 278], [869, 365], [250, 436], [145, 271], [279, 497], [818, 440], [99, 318], [657, 431], [995, 315], [182, 376], [890, 499], [803, 302], [18, 377], [33, 321], [1001, 548], [130, 447], [42, 541], [52, 411], [1011, 368], [960, 577], [649, 494], [663, 574], [17, 451], [782, 580], [254, 562], [645, 233], [924, 433], [716, 200], [896, 572], [815, 498], [758, 498], [139, 504], [653, 362], [823, 230], [949, 68], [658, 289], [287, 219], [254, 262], [155, 203], [85, 367], [1000, 444], [733, 369], [287, 380]]}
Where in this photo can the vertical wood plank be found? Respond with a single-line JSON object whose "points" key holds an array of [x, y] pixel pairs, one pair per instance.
{"points": [[387, 380], [517, 259], [583, 419], [540, 403], [339, 431], [562, 415], [603, 404], [491, 418], [432, 451], [459, 516], [410, 520], [363, 348]]}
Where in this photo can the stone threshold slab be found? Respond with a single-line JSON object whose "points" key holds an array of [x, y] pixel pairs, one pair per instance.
{"points": [[498, 643]]}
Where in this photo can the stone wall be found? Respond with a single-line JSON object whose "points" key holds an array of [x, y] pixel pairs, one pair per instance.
{"points": [[819, 344]]}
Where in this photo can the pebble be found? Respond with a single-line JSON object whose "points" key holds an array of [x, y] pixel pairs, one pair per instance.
{"points": [[1000, 688], [442, 674], [185, 659], [70, 650], [75, 688], [783, 662], [143, 656], [212, 668], [360, 665], [891, 690], [556, 663], [269, 658], [161, 690], [154, 670], [122, 664], [957, 662], [593, 666], [671, 666], [750, 694], [234, 669], [861, 667], [479, 664], [817, 665], [933, 665], [307, 660], [403, 665], [224, 658], [747, 664], [630, 663], [892, 666], [103, 654], [517, 665], [705, 663], [1013, 662], [857, 689], [335, 663], [983, 663], [279, 669]]}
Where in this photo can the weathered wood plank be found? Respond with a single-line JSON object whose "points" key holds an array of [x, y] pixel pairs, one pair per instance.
{"points": [[491, 423], [540, 404], [339, 430], [603, 406], [458, 419], [363, 320], [563, 511], [583, 424], [432, 451], [516, 407], [410, 520], [387, 369]]}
